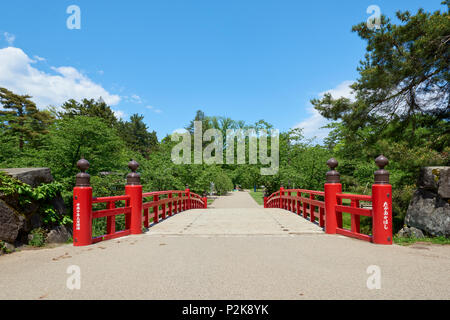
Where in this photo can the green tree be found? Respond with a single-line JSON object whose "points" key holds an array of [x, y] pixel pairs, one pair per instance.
{"points": [[136, 135], [405, 74], [77, 136], [89, 108], [20, 120]]}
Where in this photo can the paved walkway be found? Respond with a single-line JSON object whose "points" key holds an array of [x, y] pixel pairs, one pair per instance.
{"points": [[235, 214], [210, 255]]}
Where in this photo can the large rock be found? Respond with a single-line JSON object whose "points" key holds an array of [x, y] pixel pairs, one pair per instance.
{"points": [[11, 222], [436, 179], [429, 209], [444, 183], [60, 234], [14, 226], [31, 176], [410, 232]]}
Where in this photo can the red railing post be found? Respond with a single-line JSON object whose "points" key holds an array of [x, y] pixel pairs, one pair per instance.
{"points": [[265, 202], [205, 200], [305, 210], [355, 219], [188, 201], [134, 190], [146, 218], [111, 221], [82, 207], [312, 210], [170, 205], [289, 201], [156, 209], [382, 205], [163, 208], [281, 197], [332, 187]]}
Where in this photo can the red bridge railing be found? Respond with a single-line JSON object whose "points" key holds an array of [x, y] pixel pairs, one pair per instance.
{"points": [[295, 201], [139, 208], [327, 206]]}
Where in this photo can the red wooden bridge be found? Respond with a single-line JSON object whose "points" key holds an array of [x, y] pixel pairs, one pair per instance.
{"points": [[295, 247], [323, 208]]}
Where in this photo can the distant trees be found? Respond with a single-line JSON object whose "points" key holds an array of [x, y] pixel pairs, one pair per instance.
{"points": [[136, 135], [89, 108]]}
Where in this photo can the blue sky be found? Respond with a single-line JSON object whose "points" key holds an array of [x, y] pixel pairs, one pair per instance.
{"points": [[244, 59]]}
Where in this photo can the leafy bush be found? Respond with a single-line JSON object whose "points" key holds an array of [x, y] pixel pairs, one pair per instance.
{"points": [[42, 194], [37, 238]]}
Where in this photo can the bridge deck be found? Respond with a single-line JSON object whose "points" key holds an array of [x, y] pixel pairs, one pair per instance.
{"points": [[181, 258], [228, 222]]}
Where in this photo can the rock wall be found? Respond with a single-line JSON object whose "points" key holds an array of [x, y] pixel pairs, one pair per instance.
{"points": [[15, 225], [429, 209]]}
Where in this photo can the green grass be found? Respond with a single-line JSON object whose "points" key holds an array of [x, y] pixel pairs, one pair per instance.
{"points": [[258, 196], [433, 240], [210, 201]]}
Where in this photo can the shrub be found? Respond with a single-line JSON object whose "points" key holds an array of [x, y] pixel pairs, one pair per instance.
{"points": [[37, 238]]}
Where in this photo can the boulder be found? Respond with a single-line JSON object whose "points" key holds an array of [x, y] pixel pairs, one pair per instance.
{"points": [[444, 183], [11, 222], [59, 234], [429, 178], [14, 227], [410, 232], [428, 210], [31, 176]]}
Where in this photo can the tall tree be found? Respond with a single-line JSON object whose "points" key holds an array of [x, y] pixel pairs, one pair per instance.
{"points": [[136, 135], [20, 118], [405, 73], [89, 108]]}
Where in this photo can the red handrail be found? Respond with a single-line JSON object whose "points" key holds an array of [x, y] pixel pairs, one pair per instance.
{"points": [[294, 200], [164, 203], [298, 204]]}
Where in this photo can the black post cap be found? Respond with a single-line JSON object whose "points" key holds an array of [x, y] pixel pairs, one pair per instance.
{"points": [[133, 178], [381, 175], [333, 176], [83, 179]]}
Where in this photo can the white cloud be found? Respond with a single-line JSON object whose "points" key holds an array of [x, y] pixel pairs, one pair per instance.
{"points": [[10, 38], [119, 114], [18, 74], [312, 125], [342, 90], [155, 110], [39, 58], [136, 99]]}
